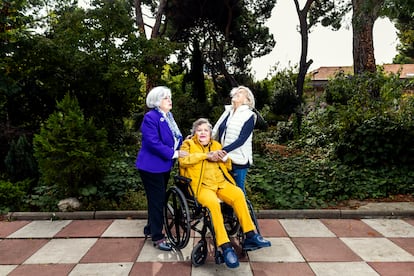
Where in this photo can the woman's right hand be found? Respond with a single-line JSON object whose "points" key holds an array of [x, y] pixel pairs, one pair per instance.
{"points": [[182, 153]]}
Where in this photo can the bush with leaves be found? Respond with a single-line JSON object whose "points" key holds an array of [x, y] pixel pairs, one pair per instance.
{"points": [[284, 100], [363, 128], [20, 163], [12, 195], [71, 152], [306, 181]]}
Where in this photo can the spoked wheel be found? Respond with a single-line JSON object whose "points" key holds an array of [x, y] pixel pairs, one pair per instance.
{"points": [[253, 215], [231, 223], [240, 234], [199, 253], [177, 218]]}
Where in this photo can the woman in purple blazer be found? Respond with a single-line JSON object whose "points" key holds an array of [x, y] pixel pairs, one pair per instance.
{"points": [[161, 140]]}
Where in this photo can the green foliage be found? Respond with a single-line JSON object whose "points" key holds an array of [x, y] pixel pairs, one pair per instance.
{"points": [[377, 141], [20, 163], [301, 181], [284, 100], [121, 177], [363, 127], [12, 195], [71, 152], [44, 198]]}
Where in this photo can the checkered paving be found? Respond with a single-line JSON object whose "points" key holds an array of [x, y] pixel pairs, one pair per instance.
{"points": [[299, 247]]}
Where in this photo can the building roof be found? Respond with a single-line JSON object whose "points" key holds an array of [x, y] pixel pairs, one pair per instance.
{"points": [[328, 72]]}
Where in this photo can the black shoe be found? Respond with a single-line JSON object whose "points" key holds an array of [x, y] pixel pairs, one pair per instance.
{"points": [[147, 231], [163, 245], [230, 258]]}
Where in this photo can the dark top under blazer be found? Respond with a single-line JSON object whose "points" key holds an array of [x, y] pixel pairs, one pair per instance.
{"points": [[157, 147]]}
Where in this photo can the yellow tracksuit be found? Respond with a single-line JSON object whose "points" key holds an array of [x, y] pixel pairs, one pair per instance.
{"points": [[212, 181]]}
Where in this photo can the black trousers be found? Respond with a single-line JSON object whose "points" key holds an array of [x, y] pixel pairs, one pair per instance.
{"points": [[155, 185]]}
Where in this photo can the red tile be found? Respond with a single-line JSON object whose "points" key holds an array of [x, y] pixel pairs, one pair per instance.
{"points": [[271, 228], [114, 250], [84, 229], [394, 268], [350, 228], [9, 227], [283, 269], [42, 269], [16, 251], [410, 221], [170, 269], [405, 243], [325, 250]]}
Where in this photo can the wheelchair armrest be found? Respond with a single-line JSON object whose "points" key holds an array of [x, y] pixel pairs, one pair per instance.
{"points": [[182, 179], [184, 185]]}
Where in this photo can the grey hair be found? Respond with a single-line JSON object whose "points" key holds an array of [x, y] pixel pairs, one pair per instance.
{"points": [[249, 95], [155, 96], [200, 122]]}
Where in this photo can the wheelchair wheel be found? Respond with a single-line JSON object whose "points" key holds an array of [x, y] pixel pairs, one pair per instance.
{"points": [[199, 253], [177, 218], [253, 215], [232, 225], [240, 234]]}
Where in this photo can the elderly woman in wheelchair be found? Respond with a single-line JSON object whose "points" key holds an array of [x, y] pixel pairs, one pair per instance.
{"points": [[207, 165]]}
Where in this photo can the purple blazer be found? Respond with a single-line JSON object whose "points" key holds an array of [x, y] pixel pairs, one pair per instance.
{"points": [[157, 147]]}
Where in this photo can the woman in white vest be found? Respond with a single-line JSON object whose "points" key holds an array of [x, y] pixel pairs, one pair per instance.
{"points": [[234, 130]]}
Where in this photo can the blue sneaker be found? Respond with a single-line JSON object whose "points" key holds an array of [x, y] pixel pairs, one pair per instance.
{"points": [[163, 245], [230, 258], [255, 242]]}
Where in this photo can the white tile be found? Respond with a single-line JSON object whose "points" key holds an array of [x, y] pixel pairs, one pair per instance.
{"points": [[212, 268], [125, 228], [342, 268], [102, 269], [282, 250], [40, 229], [305, 228], [378, 250], [6, 269], [60, 251], [391, 228], [151, 254]]}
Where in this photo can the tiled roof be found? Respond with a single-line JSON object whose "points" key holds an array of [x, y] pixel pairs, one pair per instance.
{"points": [[327, 72]]}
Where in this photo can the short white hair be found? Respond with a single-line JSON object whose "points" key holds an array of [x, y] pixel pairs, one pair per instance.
{"points": [[249, 95], [200, 122], [155, 96]]}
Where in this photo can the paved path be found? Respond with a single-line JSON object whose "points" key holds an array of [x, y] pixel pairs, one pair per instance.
{"points": [[367, 246]]}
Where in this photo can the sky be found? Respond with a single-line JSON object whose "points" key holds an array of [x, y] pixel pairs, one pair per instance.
{"points": [[326, 47]]}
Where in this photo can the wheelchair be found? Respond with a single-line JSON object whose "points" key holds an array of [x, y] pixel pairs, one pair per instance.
{"points": [[182, 213]]}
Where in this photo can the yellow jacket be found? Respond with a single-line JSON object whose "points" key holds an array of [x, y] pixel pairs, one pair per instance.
{"points": [[193, 165]]}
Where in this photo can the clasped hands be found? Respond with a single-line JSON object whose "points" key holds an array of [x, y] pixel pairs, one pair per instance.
{"points": [[217, 155]]}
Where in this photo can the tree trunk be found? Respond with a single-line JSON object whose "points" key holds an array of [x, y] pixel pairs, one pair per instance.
{"points": [[197, 73], [303, 64], [138, 17], [157, 25], [363, 19]]}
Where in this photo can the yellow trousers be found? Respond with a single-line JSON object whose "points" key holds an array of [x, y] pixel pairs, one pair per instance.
{"points": [[233, 196]]}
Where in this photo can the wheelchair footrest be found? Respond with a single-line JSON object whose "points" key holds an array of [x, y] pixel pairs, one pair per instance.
{"points": [[219, 258]]}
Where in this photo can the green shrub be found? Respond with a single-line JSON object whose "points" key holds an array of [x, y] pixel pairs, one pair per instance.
{"points": [[12, 195], [361, 127], [309, 181], [71, 152], [121, 177], [20, 163]]}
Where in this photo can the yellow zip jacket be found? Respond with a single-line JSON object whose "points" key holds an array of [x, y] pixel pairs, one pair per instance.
{"points": [[193, 165]]}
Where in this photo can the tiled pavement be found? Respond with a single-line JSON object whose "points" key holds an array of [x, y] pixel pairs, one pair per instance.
{"points": [[117, 247]]}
